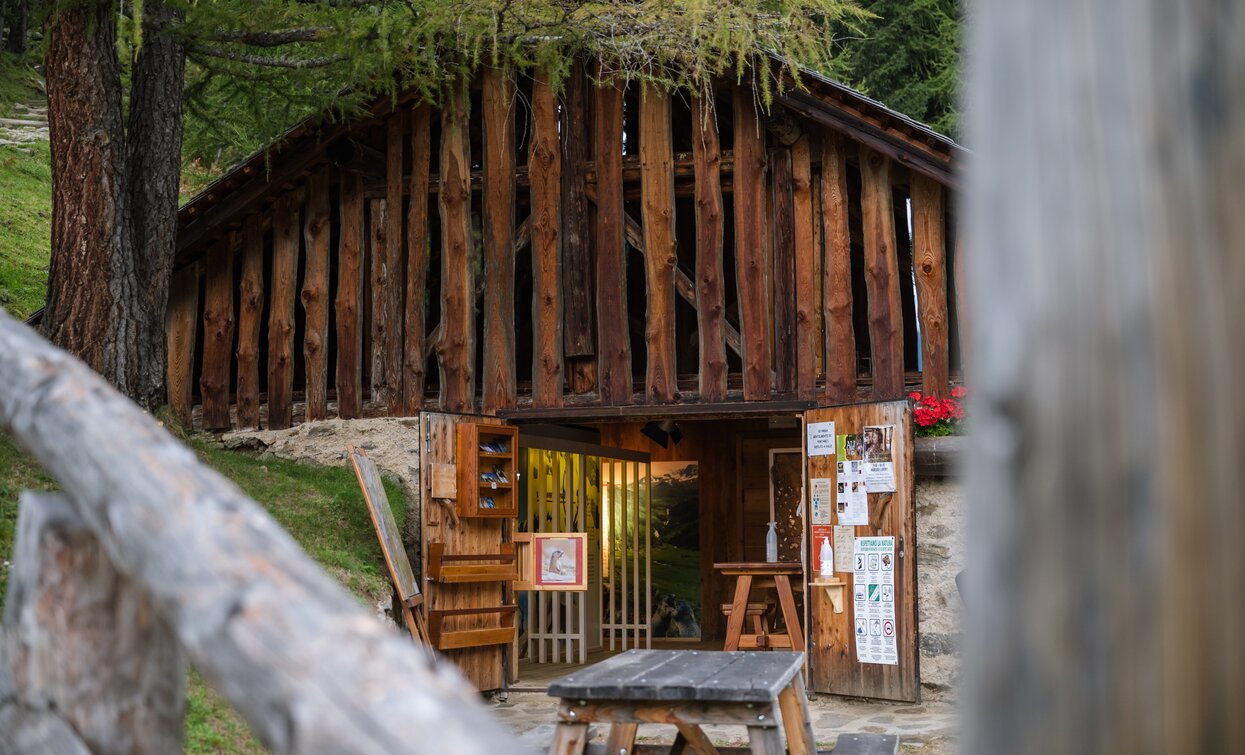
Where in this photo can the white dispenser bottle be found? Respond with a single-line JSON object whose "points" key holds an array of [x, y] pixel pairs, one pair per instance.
{"points": [[825, 557], [771, 544]]}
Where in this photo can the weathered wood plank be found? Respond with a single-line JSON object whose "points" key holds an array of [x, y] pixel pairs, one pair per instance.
{"points": [[783, 240], [415, 326], [660, 258], [807, 269], [250, 322], [544, 169], [378, 284], [751, 275], [456, 344], [281, 314], [217, 335], [499, 390], [80, 637], [315, 295], [348, 305], [179, 328], [395, 273], [290, 648], [930, 264], [710, 283], [836, 280], [881, 276], [614, 339], [577, 318]]}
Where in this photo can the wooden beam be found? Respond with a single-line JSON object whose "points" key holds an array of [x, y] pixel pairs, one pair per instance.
{"points": [[710, 299], [218, 335], [881, 276], [179, 328], [281, 314], [807, 269], [751, 275], [395, 272], [250, 322], [456, 345], [660, 259], [315, 294], [544, 168], [836, 280], [378, 233], [415, 325], [783, 268], [930, 264], [613, 336], [577, 317], [349, 302], [499, 95]]}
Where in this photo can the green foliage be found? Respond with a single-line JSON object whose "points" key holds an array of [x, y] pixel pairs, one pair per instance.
{"points": [[25, 227], [908, 57]]}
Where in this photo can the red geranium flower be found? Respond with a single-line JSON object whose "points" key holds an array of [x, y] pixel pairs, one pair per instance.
{"points": [[915, 396], [959, 391]]}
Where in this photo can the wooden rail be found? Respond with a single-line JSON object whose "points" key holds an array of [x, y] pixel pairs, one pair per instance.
{"points": [[186, 567]]}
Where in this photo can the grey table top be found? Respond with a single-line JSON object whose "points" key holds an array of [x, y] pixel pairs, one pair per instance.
{"points": [[683, 675]]}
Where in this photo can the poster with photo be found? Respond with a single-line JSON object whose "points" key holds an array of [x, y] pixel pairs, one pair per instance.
{"points": [[879, 458], [852, 502], [674, 521], [559, 561]]}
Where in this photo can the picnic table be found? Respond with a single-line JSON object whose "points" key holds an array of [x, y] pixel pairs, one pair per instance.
{"points": [[769, 576], [686, 688]]}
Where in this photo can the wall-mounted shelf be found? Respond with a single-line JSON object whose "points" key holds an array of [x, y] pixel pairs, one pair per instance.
{"points": [[456, 639], [487, 470], [835, 588], [472, 567]]}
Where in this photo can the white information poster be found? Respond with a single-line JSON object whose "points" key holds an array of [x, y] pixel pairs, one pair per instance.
{"points": [[821, 439], [873, 598], [843, 547], [879, 458], [853, 501], [823, 497]]}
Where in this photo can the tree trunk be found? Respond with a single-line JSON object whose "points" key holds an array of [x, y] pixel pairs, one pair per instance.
{"points": [[19, 23]]}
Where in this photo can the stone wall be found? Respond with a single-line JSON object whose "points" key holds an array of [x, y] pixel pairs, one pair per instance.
{"points": [[939, 557]]}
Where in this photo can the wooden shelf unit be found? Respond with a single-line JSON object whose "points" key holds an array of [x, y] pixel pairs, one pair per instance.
{"points": [[473, 461], [464, 568], [456, 639]]}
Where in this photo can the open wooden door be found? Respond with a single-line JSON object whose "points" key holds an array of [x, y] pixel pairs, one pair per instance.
{"points": [[875, 586]]}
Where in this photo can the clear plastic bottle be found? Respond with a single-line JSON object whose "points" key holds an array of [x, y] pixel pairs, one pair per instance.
{"points": [[826, 558], [771, 543]]}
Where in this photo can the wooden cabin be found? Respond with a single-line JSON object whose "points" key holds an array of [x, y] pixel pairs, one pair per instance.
{"points": [[607, 257]]}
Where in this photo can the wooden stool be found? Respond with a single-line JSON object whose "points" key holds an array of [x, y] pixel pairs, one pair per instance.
{"points": [[687, 688], [758, 613]]}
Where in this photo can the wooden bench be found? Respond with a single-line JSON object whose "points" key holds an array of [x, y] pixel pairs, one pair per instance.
{"points": [[758, 614]]}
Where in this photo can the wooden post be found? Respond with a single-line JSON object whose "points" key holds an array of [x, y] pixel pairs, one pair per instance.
{"points": [[179, 328], [710, 286], [614, 339], [544, 171], [84, 641], [316, 294], [281, 314], [217, 335], [881, 276], [784, 273], [349, 302], [807, 253], [415, 330], [250, 322], [378, 286], [576, 244], [657, 188], [930, 264], [751, 273], [499, 390], [456, 346], [395, 273], [836, 278]]}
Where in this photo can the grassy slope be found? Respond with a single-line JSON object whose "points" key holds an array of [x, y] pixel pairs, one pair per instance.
{"points": [[321, 507], [26, 204]]}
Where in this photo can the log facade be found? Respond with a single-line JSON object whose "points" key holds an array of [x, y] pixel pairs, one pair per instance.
{"points": [[520, 250]]}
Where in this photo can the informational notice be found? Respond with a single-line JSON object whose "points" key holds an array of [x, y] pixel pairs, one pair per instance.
{"points": [[821, 532], [851, 500], [879, 458], [823, 499], [821, 439], [873, 597], [843, 547]]}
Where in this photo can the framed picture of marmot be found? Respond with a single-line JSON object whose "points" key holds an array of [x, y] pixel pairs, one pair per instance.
{"points": [[559, 561]]}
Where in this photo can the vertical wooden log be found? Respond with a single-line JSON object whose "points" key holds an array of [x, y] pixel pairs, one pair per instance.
{"points": [[836, 280], [179, 329], [881, 276], [378, 283], [281, 314], [930, 263], [613, 337], [395, 274], [751, 275], [415, 330], [660, 258], [544, 170], [456, 346], [577, 317], [807, 304], [316, 294], [963, 321], [250, 322], [348, 305], [710, 286], [783, 240], [85, 641], [499, 390], [217, 335]]}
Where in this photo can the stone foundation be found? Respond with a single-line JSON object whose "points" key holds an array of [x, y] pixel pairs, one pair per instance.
{"points": [[939, 558]]}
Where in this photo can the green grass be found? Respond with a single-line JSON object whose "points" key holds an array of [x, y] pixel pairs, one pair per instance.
{"points": [[26, 204], [320, 507], [18, 83]]}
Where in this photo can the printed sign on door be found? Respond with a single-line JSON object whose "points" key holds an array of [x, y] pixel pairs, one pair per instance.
{"points": [[873, 596]]}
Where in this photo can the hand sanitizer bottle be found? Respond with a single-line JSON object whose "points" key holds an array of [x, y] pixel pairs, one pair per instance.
{"points": [[771, 544], [826, 558]]}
